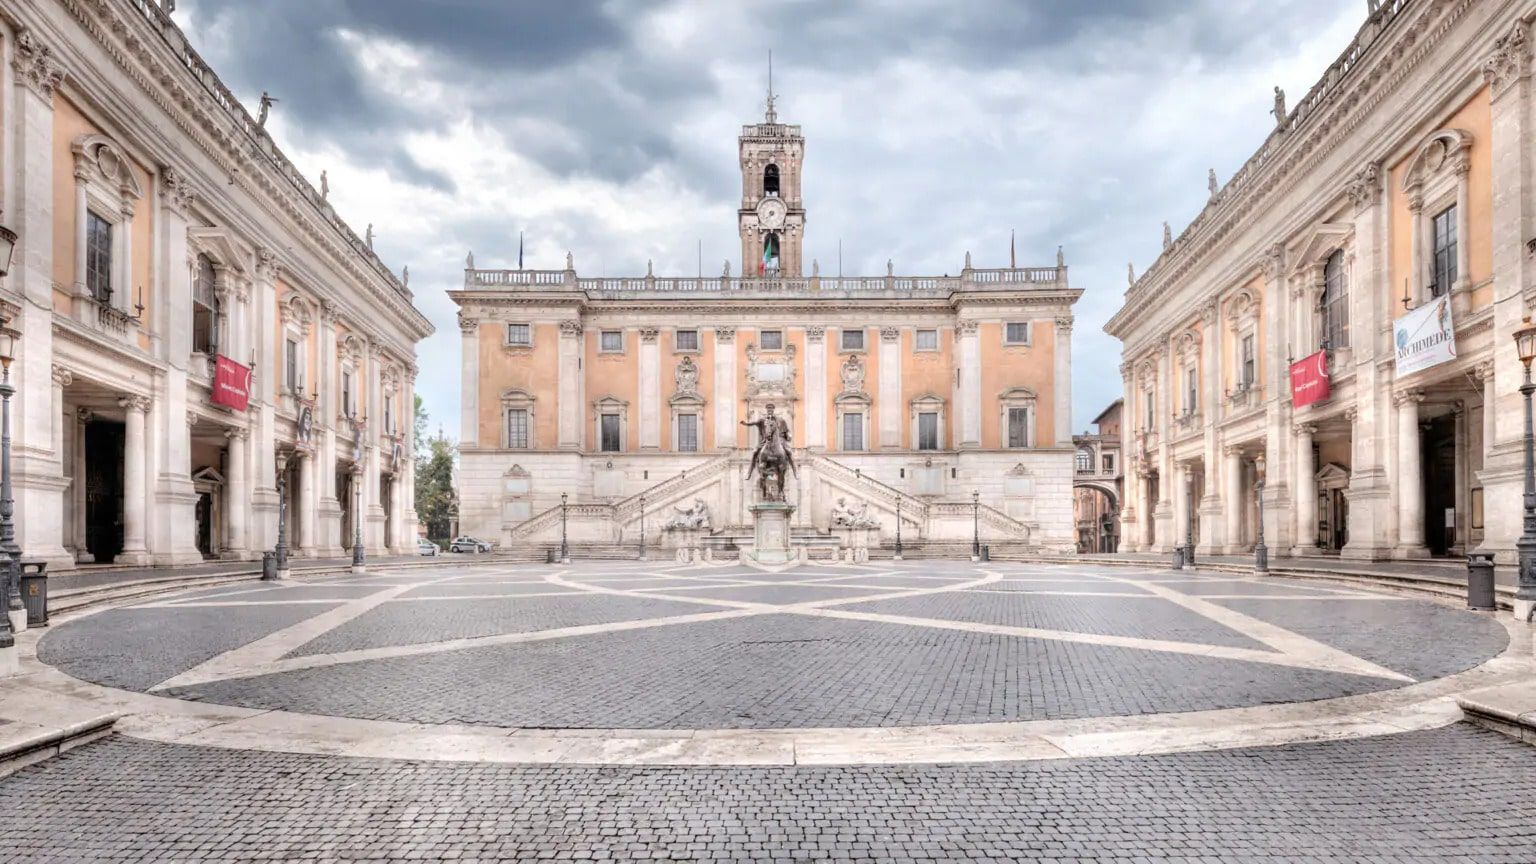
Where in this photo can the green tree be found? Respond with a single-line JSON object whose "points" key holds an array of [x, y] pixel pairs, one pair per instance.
{"points": [[419, 431], [435, 499]]}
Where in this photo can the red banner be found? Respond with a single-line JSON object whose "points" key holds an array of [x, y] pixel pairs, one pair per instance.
{"points": [[231, 383], [1309, 380]]}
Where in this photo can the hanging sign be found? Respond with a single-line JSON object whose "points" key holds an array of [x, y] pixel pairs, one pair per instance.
{"points": [[1424, 337], [231, 383], [1309, 380]]}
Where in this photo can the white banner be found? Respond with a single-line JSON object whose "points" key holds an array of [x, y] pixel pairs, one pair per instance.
{"points": [[1424, 337]]}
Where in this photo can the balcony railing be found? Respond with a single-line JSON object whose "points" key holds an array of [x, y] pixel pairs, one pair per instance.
{"points": [[1002, 279]]}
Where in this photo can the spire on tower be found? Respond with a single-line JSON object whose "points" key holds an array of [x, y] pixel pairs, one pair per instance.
{"points": [[771, 115]]}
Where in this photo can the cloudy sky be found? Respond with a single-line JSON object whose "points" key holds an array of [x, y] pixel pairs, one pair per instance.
{"points": [[933, 127]]}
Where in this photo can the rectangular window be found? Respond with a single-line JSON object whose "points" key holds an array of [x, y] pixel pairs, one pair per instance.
{"points": [[853, 431], [1250, 370], [389, 415], [1017, 333], [926, 340], [1109, 463], [519, 334], [1443, 274], [928, 430], [346, 393], [686, 340], [98, 257], [1191, 395], [611, 340], [204, 307], [687, 433], [517, 428], [853, 340], [1149, 411], [1018, 427], [610, 442], [291, 365], [772, 340]]}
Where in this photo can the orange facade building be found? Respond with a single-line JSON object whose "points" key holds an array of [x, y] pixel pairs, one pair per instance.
{"points": [[901, 392]]}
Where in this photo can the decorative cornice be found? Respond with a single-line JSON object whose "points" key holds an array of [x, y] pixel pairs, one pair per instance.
{"points": [[469, 325], [570, 328], [1364, 189], [1510, 60], [266, 264], [1403, 397], [134, 403], [178, 192], [35, 65], [62, 376]]}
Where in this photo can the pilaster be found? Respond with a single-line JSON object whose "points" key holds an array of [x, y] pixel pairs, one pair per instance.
{"points": [[650, 389], [891, 409], [725, 387], [816, 387]]}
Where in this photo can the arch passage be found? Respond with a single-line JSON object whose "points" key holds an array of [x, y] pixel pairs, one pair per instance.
{"points": [[771, 179]]}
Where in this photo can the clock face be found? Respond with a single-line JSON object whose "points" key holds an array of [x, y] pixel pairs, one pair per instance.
{"points": [[770, 213]]}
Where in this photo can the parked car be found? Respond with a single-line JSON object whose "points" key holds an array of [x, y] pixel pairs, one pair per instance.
{"points": [[467, 543], [426, 547]]}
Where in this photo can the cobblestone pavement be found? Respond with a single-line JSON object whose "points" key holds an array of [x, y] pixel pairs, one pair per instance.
{"points": [[655, 646], [1451, 794]]}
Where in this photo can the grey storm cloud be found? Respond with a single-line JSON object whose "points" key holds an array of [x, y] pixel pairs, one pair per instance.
{"points": [[934, 127]]}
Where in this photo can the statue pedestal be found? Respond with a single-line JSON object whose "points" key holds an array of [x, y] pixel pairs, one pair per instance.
{"points": [[770, 535], [855, 544], [686, 540]]}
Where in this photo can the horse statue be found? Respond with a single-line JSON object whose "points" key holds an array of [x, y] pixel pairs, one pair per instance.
{"points": [[772, 455]]}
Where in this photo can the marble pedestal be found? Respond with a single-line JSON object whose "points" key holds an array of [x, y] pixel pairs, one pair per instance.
{"points": [[855, 544], [770, 534], [10, 662], [686, 542]]}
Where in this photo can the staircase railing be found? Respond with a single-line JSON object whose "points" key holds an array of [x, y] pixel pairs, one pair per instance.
{"points": [[914, 510], [656, 494], [991, 515]]}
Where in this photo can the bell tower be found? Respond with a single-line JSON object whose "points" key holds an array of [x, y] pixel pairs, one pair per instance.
{"points": [[772, 214]]}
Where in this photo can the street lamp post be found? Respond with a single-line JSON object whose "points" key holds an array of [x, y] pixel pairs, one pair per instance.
{"points": [[975, 525], [565, 549], [280, 551], [359, 561], [897, 556], [10, 578], [1189, 520], [1260, 551], [642, 526], [1525, 594]]}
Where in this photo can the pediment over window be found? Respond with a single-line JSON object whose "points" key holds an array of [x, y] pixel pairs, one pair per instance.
{"points": [[1242, 307], [610, 403], [516, 397], [517, 471], [1443, 149], [928, 402], [1018, 394], [221, 246], [99, 158], [1321, 242], [1333, 476]]}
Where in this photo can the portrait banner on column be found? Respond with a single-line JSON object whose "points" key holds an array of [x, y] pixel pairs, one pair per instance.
{"points": [[231, 383], [1424, 337]]}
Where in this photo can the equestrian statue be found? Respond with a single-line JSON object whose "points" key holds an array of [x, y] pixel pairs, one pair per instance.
{"points": [[772, 455]]}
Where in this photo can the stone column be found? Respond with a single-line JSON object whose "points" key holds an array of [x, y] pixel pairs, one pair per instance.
{"points": [[37, 459], [1306, 491], [1410, 478], [1164, 530], [306, 541], [135, 500], [568, 398], [650, 390], [237, 494], [1213, 522], [1277, 529], [1233, 471], [469, 386], [173, 539], [1371, 520], [410, 515], [1061, 387], [262, 529], [970, 385], [816, 387], [83, 553], [1507, 73], [725, 387], [1130, 495], [891, 411]]}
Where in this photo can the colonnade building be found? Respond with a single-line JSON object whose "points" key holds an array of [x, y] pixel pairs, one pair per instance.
{"points": [[904, 395], [1338, 318], [198, 328]]}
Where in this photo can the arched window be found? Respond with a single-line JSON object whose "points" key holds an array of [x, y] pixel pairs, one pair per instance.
{"points": [[205, 308], [771, 180], [771, 254], [1335, 305]]}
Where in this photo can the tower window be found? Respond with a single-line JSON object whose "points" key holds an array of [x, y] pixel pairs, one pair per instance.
{"points": [[205, 308], [771, 180]]}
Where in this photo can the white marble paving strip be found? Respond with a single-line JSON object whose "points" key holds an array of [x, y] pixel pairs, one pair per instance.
{"points": [[199, 604], [1308, 652]]}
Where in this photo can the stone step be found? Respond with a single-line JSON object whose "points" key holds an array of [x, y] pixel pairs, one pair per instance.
{"points": [[1509, 709], [23, 743]]}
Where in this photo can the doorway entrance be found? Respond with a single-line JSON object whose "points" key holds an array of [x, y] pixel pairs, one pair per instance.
{"points": [[104, 489], [1438, 440]]}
